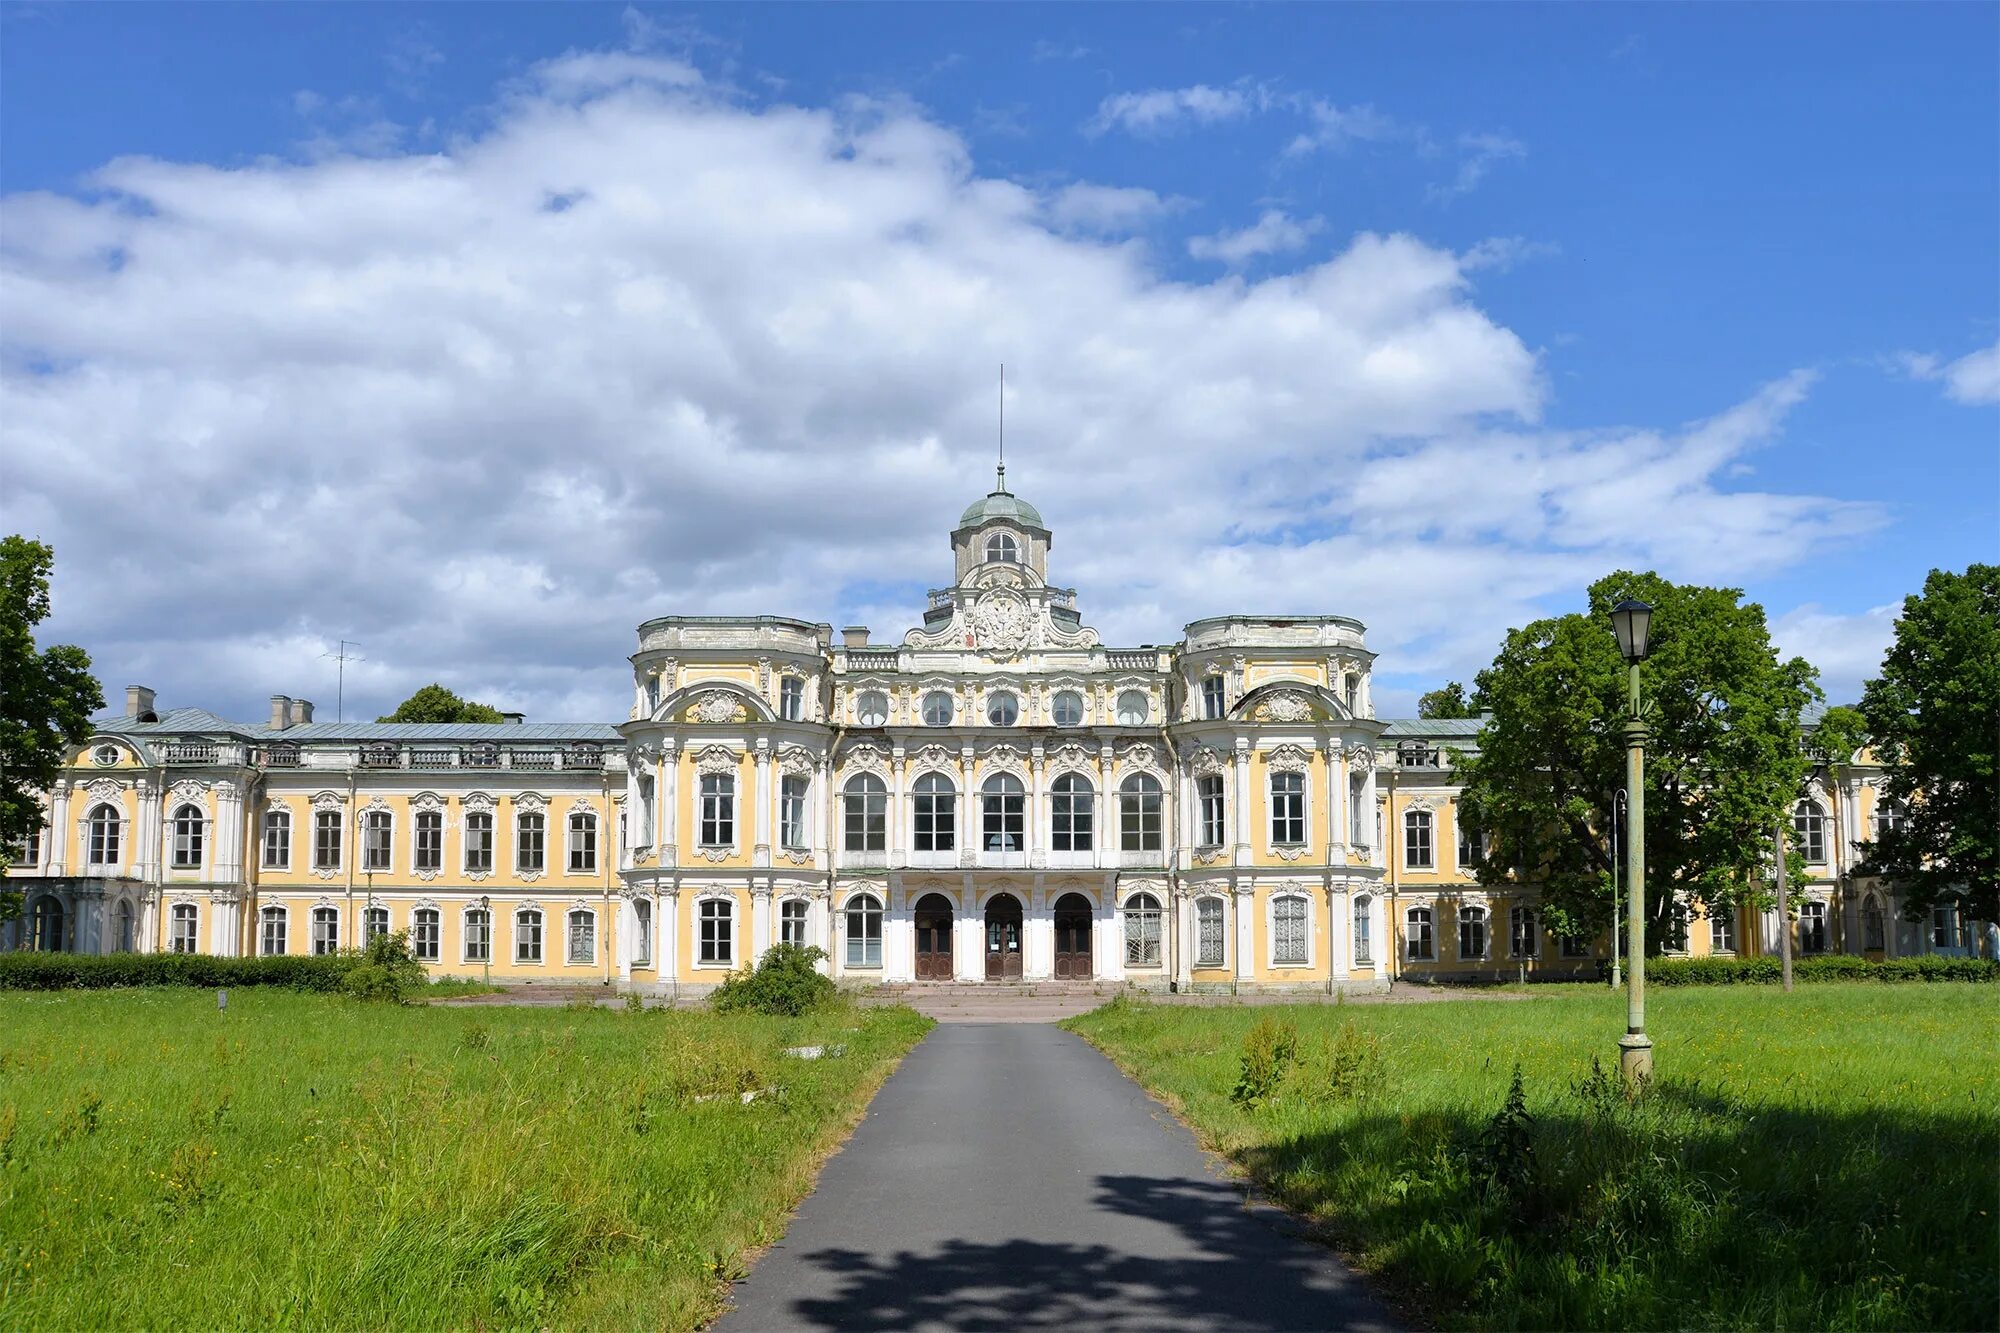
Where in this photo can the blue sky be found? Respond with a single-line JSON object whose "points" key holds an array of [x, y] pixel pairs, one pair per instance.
{"points": [[1659, 216]]}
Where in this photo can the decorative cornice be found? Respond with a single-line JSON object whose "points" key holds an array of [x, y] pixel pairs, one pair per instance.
{"points": [[714, 759], [1288, 759]]}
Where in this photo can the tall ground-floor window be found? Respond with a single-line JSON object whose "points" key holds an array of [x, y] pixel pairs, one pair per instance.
{"points": [[1524, 941], [528, 936], [375, 921], [48, 923], [479, 936], [326, 930], [127, 934], [1142, 930], [424, 935], [582, 936], [1471, 933], [186, 919], [1417, 937], [718, 918], [1812, 927], [864, 931], [642, 932], [1722, 929], [792, 922], [1873, 925], [271, 931], [1209, 938], [1364, 931], [1289, 939]]}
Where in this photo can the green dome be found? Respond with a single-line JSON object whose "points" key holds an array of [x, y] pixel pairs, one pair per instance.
{"points": [[1001, 504]]}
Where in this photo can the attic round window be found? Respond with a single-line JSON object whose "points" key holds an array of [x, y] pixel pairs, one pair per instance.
{"points": [[104, 756]]}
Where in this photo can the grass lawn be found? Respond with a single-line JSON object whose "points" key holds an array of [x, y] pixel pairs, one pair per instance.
{"points": [[309, 1161], [1827, 1159]]}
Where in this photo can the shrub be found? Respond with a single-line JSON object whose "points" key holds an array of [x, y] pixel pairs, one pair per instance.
{"points": [[388, 971], [72, 971], [1269, 1050], [1768, 971], [784, 982]]}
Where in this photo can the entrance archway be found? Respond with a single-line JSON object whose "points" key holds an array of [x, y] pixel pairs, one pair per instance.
{"points": [[1003, 937], [1073, 930], [933, 916]]}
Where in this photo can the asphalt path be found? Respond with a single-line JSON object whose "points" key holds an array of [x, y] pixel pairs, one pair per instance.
{"points": [[1009, 1177]]}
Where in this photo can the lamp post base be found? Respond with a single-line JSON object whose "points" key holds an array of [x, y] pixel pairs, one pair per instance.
{"points": [[1635, 1059]]}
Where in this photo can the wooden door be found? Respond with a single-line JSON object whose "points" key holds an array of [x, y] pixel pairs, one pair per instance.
{"points": [[933, 916], [1003, 939], [1073, 954]]}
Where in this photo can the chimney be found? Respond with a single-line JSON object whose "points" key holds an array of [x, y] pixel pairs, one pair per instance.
{"points": [[281, 712], [512, 719], [302, 712], [139, 703], [854, 636]]}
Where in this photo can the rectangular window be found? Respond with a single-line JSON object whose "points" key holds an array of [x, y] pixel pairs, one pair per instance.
{"points": [[1417, 937], [478, 935], [866, 804], [375, 841], [277, 840], [1417, 840], [1523, 940], [582, 937], [792, 922], [1208, 933], [531, 843], [1574, 947], [272, 931], [326, 840], [429, 855], [1209, 794], [479, 842], [642, 932], [582, 843], [718, 810], [1722, 930], [936, 815], [1212, 698], [1288, 920], [1470, 846], [186, 919], [1471, 933], [375, 921], [792, 813], [1139, 815], [791, 699], [864, 933], [1288, 809], [1364, 932], [717, 945], [1812, 927], [528, 937], [424, 935], [188, 825], [325, 930]]}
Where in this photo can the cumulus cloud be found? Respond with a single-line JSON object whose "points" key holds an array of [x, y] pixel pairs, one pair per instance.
{"points": [[1847, 649], [1333, 127], [1108, 208], [1275, 232], [1158, 110], [1973, 379], [1478, 154], [640, 347]]}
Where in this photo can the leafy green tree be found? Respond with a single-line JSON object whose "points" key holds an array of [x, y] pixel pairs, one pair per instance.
{"points": [[1449, 700], [1934, 719], [46, 698], [1724, 759], [435, 703]]}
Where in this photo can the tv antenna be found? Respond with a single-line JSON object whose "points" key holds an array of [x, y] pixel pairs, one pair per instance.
{"points": [[342, 658]]}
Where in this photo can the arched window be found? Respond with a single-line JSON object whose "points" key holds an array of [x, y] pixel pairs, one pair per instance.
{"points": [[1133, 708], [530, 841], [792, 918], [1003, 709], [186, 928], [642, 932], [718, 810], [104, 827], [792, 812], [188, 827], [791, 698], [326, 840], [1142, 930], [1003, 817], [937, 709], [1067, 708], [1812, 926], [528, 935], [1417, 938], [1364, 931], [866, 801], [277, 839], [127, 933], [1139, 814], [1002, 547], [375, 835], [1288, 809], [325, 930], [871, 708], [1471, 933], [374, 921], [1523, 939], [1417, 854], [583, 842], [718, 921], [1210, 940], [271, 931], [479, 841], [426, 932], [1289, 932], [864, 931], [48, 923], [1213, 703], [582, 936], [1873, 925], [478, 935], [1213, 811], [936, 824], [1071, 802], [1809, 825]]}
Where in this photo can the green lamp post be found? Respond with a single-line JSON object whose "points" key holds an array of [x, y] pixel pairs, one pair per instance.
{"points": [[1631, 621]]}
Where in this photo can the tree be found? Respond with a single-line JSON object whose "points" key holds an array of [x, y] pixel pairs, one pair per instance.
{"points": [[435, 703], [1934, 720], [1725, 759], [1450, 700], [46, 698]]}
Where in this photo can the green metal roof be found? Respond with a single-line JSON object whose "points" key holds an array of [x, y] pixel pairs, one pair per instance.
{"points": [[1001, 504]]}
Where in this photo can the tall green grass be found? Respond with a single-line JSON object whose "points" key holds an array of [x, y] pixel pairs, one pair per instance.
{"points": [[309, 1162], [1825, 1159]]}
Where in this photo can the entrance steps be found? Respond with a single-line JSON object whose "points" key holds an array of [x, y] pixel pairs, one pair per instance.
{"points": [[945, 990]]}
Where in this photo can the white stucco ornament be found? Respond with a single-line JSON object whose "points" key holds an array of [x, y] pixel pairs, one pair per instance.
{"points": [[1003, 623], [715, 706], [1288, 706]]}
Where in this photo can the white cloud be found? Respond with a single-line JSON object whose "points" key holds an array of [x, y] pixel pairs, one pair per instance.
{"points": [[640, 348], [1973, 379], [1478, 154], [1334, 127], [1847, 649], [1273, 233], [1107, 208], [1501, 253], [1161, 109], [1048, 50]]}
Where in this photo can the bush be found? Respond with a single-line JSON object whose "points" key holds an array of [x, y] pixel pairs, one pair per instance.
{"points": [[785, 982], [1269, 1050], [1768, 971], [73, 971], [387, 972]]}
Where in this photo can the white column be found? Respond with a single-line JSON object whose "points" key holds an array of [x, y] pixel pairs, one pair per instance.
{"points": [[1368, 815], [1104, 828], [668, 787], [634, 820], [1339, 926], [1245, 899], [228, 865], [1186, 937], [1240, 801], [147, 832], [760, 920], [1034, 831], [1338, 800], [900, 823], [667, 920], [760, 850], [969, 943], [59, 832], [1038, 936]]}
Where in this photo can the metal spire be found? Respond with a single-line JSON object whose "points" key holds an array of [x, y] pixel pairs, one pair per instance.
{"points": [[1000, 482]]}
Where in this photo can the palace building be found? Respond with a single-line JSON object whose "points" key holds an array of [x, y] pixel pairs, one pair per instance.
{"points": [[997, 797]]}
